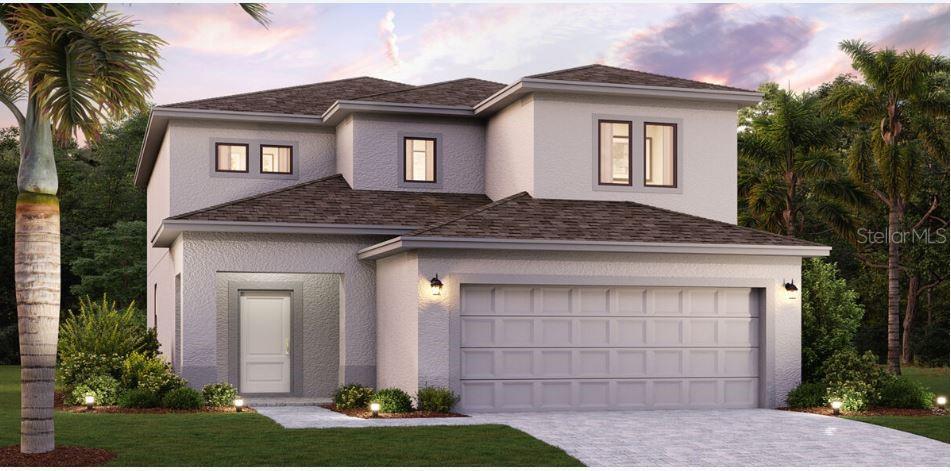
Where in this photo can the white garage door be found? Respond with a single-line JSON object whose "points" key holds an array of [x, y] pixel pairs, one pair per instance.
{"points": [[587, 347]]}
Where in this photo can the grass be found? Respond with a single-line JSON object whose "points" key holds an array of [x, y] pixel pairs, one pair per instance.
{"points": [[936, 427], [254, 440]]}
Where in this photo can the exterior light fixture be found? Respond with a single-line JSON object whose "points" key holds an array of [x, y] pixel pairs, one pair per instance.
{"points": [[836, 407], [436, 285], [375, 409], [791, 289], [238, 404], [941, 401], [90, 401]]}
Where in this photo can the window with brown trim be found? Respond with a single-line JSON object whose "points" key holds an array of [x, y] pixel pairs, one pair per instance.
{"points": [[277, 159], [419, 159], [614, 152], [660, 155], [231, 157]]}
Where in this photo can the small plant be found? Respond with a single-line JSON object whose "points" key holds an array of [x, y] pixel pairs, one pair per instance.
{"points": [[141, 371], [80, 367], [352, 396], [807, 395], [219, 394], [102, 328], [435, 399], [104, 388], [393, 400], [139, 399], [854, 379], [184, 398], [854, 395], [899, 391]]}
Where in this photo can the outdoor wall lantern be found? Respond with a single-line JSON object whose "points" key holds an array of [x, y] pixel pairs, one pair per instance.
{"points": [[90, 401], [375, 409], [238, 404], [436, 285], [791, 289], [836, 407]]}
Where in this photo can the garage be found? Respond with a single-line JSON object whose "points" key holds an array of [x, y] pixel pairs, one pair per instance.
{"points": [[525, 347]]}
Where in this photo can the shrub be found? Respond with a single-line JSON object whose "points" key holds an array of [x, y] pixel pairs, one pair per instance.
{"points": [[807, 395], [104, 388], [435, 399], [899, 391], [99, 327], [219, 394], [182, 398], [352, 396], [854, 395], [831, 316], [141, 371], [79, 367], [853, 378], [393, 400], [139, 399]]}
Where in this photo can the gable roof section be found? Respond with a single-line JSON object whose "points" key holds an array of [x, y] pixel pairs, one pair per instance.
{"points": [[330, 200], [462, 92], [597, 73], [311, 99]]}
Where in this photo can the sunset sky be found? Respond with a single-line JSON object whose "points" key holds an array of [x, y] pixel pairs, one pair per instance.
{"points": [[215, 49]]}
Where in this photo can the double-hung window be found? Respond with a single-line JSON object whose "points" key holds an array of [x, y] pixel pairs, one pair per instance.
{"points": [[614, 152], [419, 156], [231, 157]]}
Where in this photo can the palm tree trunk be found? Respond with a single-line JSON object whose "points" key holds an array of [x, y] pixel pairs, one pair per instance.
{"points": [[37, 277], [911, 305], [894, 345]]}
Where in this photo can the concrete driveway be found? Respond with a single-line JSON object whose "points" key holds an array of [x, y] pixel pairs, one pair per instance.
{"points": [[753, 437]]}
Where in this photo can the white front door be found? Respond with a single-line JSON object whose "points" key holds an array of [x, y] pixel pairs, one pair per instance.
{"points": [[265, 342]]}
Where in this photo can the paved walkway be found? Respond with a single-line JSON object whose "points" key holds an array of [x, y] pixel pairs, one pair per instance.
{"points": [[754, 437]]}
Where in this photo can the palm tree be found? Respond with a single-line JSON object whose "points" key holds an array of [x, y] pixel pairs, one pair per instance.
{"points": [[76, 66], [788, 164], [895, 107]]}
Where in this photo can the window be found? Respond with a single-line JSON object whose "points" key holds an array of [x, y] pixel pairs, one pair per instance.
{"points": [[231, 157], [614, 152], [277, 159], [420, 159], [660, 154]]}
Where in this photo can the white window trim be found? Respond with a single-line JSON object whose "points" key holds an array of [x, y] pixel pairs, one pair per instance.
{"points": [[637, 143]]}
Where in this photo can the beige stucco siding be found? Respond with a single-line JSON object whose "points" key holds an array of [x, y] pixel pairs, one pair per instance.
{"points": [[160, 263], [510, 150], [397, 320], [345, 149]]}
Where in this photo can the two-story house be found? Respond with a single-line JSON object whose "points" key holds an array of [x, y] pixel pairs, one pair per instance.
{"points": [[567, 241]]}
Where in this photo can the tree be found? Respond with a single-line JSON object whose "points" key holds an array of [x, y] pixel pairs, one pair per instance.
{"points": [[895, 109], [112, 261], [76, 66], [788, 164], [831, 316]]}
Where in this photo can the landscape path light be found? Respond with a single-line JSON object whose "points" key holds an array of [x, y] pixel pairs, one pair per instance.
{"points": [[941, 401], [90, 401], [238, 404], [375, 409], [836, 407]]}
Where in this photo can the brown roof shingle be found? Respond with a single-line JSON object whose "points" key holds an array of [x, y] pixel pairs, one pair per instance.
{"points": [[598, 73], [462, 92], [311, 99], [330, 200], [522, 217]]}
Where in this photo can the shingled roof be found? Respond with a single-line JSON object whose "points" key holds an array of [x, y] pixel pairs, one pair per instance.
{"points": [[597, 73], [330, 200], [522, 217], [462, 92], [312, 99]]}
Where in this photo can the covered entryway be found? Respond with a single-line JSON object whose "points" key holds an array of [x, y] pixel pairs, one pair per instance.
{"points": [[265, 349], [527, 347]]}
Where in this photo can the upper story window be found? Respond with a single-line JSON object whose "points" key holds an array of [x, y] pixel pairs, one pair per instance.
{"points": [[231, 157], [277, 159], [660, 155], [614, 152], [419, 159]]}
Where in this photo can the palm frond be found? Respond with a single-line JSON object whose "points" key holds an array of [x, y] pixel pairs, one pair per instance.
{"points": [[12, 90], [257, 11]]}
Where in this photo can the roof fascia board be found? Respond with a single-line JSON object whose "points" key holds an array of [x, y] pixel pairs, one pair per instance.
{"points": [[342, 108], [170, 229], [404, 243], [529, 85]]}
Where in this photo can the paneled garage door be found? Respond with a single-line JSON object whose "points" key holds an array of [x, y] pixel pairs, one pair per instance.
{"points": [[586, 347]]}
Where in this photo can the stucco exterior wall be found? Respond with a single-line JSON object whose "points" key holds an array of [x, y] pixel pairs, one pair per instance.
{"points": [[206, 255], [397, 353], [376, 149], [439, 322], [160, 274], [510, 150], [345, 149], [197, 186], [564, 152]]}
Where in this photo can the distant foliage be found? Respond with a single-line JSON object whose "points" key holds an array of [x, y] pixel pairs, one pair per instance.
{"points": [[219, 394], [352, 396], [831, 315], [393, 400], [104, 388], [435, 399], [112, 260], [99, 327]]}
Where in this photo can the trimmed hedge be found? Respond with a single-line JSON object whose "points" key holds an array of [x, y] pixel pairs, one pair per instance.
{"points": [[183, 398]]}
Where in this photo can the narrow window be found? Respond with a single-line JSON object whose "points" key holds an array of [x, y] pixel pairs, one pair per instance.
{"points": [[660, 154], [155, 306], [419, 159], [614, 152], [231, 157], [277, 159]]}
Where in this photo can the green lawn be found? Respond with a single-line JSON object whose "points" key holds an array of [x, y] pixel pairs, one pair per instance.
{"points": [[936, 427], [254, 440]]}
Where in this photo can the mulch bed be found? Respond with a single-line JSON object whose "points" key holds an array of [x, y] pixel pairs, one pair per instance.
{"points": [[416, 414], [873, 411], [61, 456]]}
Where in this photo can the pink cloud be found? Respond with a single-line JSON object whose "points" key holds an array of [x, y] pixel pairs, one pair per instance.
{"points": [[388, 34]]}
